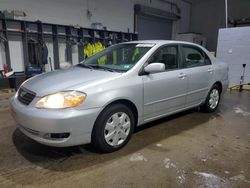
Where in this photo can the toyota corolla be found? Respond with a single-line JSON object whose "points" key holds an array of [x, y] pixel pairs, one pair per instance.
{"points": [[102, 99]]}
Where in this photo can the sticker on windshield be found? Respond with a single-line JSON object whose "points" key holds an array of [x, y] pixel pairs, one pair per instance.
{"points": [[126, 66], [145, 45]]}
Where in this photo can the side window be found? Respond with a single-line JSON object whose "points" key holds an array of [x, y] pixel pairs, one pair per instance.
{"points": [[167, 55], [195, 57]]}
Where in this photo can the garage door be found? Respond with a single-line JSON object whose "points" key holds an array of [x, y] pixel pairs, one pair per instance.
{"points": [[150, 27]]}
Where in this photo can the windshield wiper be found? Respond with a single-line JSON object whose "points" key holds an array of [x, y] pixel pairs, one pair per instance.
{"points": [[92, 67], [85, 65], [104, 68]]}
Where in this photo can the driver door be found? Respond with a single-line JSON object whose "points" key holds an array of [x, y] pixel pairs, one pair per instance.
{"points": [[165, 92]]}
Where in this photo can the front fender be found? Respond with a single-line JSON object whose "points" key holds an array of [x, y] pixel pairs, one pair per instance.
{"points": [[100, 96]]}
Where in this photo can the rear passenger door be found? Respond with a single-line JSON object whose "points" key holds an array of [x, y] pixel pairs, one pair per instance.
{"points": [[164, 92], [199, 73]]}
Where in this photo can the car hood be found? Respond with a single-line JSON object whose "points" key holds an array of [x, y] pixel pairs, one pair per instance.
{"points": [[62, 80]]}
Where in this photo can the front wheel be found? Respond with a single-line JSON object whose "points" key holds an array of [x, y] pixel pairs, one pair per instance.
{"points": [[212, 100], [113, 128]]}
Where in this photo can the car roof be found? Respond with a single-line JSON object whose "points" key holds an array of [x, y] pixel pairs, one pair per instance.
{"points": [[161, 42]]}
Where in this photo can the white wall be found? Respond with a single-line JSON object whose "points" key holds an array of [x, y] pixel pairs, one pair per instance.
{"points": [[117, 15], [17, 60], [2, 56], [233, 48]]}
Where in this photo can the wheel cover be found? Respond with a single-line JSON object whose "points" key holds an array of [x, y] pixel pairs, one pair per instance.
{"points": [[214, 98], [117, 129]]}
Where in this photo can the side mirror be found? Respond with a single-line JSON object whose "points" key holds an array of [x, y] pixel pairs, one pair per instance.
{"points": [[154, 68]]}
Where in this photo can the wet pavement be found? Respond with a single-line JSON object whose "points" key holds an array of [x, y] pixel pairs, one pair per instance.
{"points": [[190, 149]]}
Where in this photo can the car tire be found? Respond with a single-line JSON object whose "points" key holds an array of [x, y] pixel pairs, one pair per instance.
{"points": [[213, 99], [113, 128]]}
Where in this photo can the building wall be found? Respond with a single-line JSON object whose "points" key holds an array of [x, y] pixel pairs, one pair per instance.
{"points": [[238, 9], [208, 16], [117, 15]]}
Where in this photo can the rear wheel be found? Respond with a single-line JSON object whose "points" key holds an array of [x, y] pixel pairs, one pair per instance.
{"points": [[212, 100], [113, 128]]}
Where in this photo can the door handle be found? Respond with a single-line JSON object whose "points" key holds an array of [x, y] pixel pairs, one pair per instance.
{"points": [[182, 75], [210, 70]]}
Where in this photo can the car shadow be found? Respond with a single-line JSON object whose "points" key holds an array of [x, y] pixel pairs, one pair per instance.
{"points": [[75, 158]]}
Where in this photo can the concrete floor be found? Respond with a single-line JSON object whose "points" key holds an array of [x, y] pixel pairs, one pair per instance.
{"points": [[190, 149]]}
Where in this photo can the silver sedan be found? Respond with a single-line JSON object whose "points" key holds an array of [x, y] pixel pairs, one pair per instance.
{"points": [[103, 98]]}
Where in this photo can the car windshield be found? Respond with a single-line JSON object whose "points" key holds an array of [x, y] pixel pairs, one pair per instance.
{"points": [[117, 58]]}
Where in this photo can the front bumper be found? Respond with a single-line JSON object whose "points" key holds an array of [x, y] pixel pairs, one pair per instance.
{"points": [[39, 124]]}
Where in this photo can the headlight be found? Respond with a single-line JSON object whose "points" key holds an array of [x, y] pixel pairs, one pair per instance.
{"points": [[59, 100]]}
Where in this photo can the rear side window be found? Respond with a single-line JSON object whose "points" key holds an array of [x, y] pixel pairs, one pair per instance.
{"points": [[195, 57], [167, 55]]}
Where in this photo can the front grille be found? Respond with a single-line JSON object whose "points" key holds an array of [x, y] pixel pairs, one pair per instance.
{"points": [[25, 96]]}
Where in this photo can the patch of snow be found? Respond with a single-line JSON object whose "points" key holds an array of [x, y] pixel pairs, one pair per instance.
{"points": [[159, 145], [204, 160], [239, 110], [226, 172], [173, 165], [137, 157], [181, 176], [167, 163], [211, 180], [181, 179], [239, 177], [206, 175]]}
